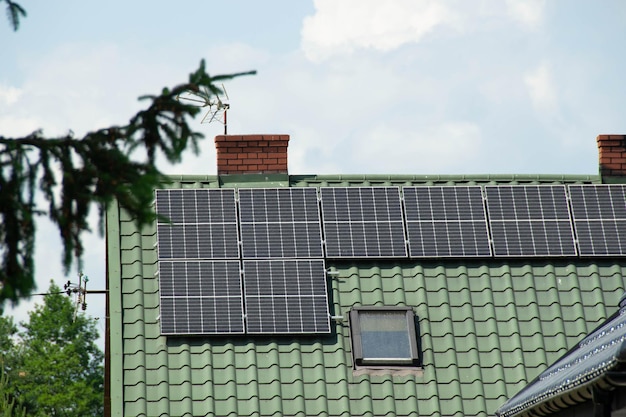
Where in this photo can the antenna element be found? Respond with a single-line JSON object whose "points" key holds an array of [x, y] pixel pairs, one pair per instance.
{"points": [[218, 105]]}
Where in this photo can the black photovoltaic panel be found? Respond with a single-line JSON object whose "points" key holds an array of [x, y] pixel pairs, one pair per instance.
{"points": [[198, 205], [200, 297], [280, 223], [599, 213], [286, 296], [363, 222], [203, 224], [530, 220], [446, 221]]}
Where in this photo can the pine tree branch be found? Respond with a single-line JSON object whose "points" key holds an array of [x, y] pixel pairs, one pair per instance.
{"points": [[14, 12], [73, 174]]}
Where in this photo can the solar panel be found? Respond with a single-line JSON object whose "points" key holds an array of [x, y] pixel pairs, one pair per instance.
{"points": [[286, 296], [200, 297], [362, 222], [280, 223], [599, 213], [446, 221], [202, 224], [530, 220]]}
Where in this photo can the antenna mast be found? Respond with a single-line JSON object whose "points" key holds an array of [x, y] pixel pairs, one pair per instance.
{"points": [[81, 291]]}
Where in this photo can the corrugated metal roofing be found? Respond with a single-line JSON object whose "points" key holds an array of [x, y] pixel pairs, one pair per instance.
{"points": [[572, 377], [487, 328]]}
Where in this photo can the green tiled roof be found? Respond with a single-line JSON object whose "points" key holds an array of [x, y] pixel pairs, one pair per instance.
{"points": [[487, 328]]}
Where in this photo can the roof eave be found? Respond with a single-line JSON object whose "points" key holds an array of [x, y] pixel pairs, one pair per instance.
{"points": [[610, 377]]}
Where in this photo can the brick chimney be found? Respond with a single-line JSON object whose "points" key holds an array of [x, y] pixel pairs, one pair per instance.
{"points": [[612, 155], [251, 154]]}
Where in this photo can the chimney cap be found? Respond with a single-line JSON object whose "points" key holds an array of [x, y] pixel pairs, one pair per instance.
{"points": [[251, 137]]}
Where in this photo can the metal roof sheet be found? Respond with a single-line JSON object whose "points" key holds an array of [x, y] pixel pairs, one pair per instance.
{"points": [[590, 360], [487, 327]]}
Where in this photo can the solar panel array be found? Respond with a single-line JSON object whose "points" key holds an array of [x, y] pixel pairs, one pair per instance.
{"points": [[363, 222], [200, 269], [446, 221], [256, 264], [599, 213]]}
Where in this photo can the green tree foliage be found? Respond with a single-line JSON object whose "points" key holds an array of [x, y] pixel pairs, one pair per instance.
{"points": [[7, 332], [57, 367], [9, 407], [75, 173]]}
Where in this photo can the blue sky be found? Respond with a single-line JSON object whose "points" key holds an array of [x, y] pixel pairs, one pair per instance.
{"points": [[362, 86]]}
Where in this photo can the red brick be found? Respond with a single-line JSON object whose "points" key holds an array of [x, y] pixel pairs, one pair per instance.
{"points": [[276, 167], [611, 153], [278, 144], [613, 166], [610, 137]]}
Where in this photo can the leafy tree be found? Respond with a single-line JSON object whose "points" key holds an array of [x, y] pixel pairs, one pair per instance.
{"points": [[58, 370], [7, 332], [74, 173], [8, 405]]}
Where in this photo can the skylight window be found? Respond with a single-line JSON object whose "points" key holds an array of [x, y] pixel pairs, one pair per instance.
{"points": [[384, 336]]}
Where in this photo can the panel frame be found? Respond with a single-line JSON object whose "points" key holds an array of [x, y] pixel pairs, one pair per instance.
{"points": [[529, 221], [164, 321], [249, 297], [600, 221], [343, 226], [229, 228], [314, 225], [476, 225]]}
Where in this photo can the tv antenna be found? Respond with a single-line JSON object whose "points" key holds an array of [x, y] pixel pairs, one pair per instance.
{"points": [[80, 290], [218, 106]]}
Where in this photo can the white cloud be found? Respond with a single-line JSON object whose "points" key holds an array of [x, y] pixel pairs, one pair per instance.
{"points": [[449, 147], [18, 126], [234, 57], [342, 26], [541, 89], [9, 95], [527, 12]]}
